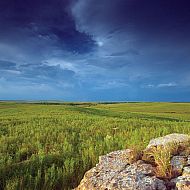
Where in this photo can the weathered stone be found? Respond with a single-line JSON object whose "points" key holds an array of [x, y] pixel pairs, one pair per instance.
{"points": [[125, 170], [137, 176], [114, 172], [175, 138], [183, 183], [117, 159], [109, 165], [173, 143], [185, 152], [186, 171], [178, 162]]}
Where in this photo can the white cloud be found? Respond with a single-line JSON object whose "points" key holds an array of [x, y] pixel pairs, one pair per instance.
{"points": [[170, 84], [161, 85], [63, 64]]}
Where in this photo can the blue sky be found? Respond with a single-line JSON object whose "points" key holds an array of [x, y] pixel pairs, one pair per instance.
{"points": [[95, 50]]}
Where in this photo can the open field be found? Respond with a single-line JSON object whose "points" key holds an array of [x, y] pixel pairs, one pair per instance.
{"points": [[50, 146]]}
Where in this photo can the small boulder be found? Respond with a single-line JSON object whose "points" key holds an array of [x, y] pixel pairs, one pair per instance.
{"points": [[115, 172], [174, 143], [175, 138], [109, 166]]}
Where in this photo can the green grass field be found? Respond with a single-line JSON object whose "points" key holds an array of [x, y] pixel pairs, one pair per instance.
{"points": [[50, 146]]}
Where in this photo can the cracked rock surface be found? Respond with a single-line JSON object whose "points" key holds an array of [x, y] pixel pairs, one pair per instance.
{"points": [[123, 170]]}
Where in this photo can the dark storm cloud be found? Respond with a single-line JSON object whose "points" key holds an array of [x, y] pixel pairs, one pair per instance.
{"points": [[154, 34], [146, 42], [19, 12], [141, 22], [84, 49], [145, 16], [45, 19]]}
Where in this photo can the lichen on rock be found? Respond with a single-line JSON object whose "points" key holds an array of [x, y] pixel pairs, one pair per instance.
{"points": [[125, 169]]}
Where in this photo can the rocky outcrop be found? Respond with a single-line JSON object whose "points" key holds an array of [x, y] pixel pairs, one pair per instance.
{"points": [[175, 142], [138, 175], [175, 138], [178, 163], [125, 169]]}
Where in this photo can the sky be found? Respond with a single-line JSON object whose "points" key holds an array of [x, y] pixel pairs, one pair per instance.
{"points": [[95, 50]]}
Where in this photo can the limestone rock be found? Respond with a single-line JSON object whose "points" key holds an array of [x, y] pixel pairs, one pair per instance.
{"points": [[171, 138], [173, 143], [125, 170], [109, 165], [178, 162], [114, 172], [183, 183], [137, 176], [175, 138], [186, 171]]}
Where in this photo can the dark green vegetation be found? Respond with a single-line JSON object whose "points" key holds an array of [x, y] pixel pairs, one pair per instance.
{"points": [[50, 146]]}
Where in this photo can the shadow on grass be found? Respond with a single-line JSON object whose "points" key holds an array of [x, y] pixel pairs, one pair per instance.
{"points": [[121, 115]]}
